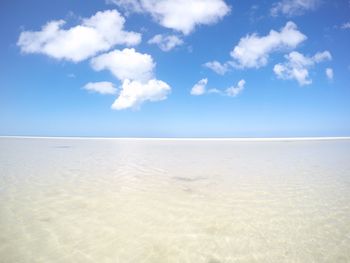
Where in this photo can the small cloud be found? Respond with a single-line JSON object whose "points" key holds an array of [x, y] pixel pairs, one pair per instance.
{"points": [[71, 75], [174, 15], [103, 87], [345, 25], [297, 66], [291, 8], [134, 93], [253, 51], [199, 88], [95, 34], [329, 73], [322, 56], [253, 14], [128, 5], [166, 43], [215, 91], [217, 67], [235, 90]]}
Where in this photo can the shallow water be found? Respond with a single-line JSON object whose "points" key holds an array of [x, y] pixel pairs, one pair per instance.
{"points": [[87, 200]]}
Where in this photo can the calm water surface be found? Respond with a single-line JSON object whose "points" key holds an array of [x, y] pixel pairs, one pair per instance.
{"points": [[87, 200]]}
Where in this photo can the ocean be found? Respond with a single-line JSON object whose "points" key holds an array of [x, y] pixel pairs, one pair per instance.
{"points": [[174, 200]]}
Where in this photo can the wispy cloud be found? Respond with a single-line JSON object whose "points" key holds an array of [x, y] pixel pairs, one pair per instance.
{"points": [[345, 25], [218, 67], [291, 8], [103, 87], [329, 73], [235, 90], [200, 88], [297, 66], [166, 43]]}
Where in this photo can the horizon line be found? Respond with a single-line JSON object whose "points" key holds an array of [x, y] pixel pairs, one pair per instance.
{"points": [[304, 138]]}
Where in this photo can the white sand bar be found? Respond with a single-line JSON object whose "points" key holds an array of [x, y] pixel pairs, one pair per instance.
{"points": [[210, 201]]}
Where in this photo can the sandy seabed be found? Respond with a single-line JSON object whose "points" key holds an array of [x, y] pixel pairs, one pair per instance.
{"points": [[211, 201]]}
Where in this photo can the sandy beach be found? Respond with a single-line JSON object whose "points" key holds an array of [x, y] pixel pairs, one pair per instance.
{"points": [[183, 200]]}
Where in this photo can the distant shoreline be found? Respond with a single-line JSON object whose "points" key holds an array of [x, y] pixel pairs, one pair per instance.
{"points": [[237, 139]]}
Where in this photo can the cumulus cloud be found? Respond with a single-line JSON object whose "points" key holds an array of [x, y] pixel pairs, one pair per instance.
{"points": [[217, 67], [329, 73], [199, 88], [297, 66], [103, 87], [235, 90], [253, 51], [125, 64], [136, 73], [293, 7], [180, 15], [134, 93], [96, 34], [166, 43]]}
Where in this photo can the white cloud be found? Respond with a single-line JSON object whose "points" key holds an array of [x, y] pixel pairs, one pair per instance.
{"points": [[322, 56], [199, 88], [345, 25], [134, 93], [128, 5], [297, 66], [217, 67], [135, 71], [71, 75], [125, 64], [166, 43], [180, 15], [235, 90], [214, 90], [329, 73], [253, 51], [103, 87], [293, 7], [95, 34]]}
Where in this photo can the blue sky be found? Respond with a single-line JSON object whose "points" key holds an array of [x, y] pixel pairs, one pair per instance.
{"points": [[175, 68]]}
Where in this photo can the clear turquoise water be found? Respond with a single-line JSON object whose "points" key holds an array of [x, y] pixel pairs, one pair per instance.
{"points": [[86, 200]]}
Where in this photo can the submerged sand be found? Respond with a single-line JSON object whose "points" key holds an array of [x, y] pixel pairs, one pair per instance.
{"points": [[87, 200]]}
